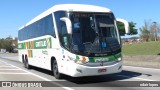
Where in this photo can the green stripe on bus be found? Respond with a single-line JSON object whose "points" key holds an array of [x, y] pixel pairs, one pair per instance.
{"points": [[31, 53], [106, 58], [40, 44], [37, 44], [43, 43], [21, 46], [49, 43]]}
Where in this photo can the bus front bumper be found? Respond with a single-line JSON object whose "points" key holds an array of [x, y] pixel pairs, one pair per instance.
{"points": [[76, 70]]}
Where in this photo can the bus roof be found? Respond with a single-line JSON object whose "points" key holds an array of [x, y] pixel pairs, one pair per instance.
{"points": [[68, 7]]}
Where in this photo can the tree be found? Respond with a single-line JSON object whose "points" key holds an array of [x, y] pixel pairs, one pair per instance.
{"points": [[2, 46], [9, 37], [0, 43], [155, 30], [121, 29], [8, 43], [145, 31], [133, 31], [150, 31]]}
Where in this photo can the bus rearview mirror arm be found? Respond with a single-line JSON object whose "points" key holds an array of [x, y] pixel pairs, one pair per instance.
{"points": [[68, 24], [126, 24]]}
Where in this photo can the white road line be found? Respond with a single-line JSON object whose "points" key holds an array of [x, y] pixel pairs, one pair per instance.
{"points": [[9, 69], [12, 73], [136, 78], [6, 66], [141, 67], [64, 87]]}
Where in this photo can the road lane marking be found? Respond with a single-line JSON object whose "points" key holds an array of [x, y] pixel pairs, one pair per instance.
{"points": [[3, 63], [6, 66], [62, 86], [141, 67], [135, 78], [9, 69], [12, 73]]}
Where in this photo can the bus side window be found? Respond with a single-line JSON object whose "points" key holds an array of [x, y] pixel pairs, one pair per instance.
{"points": [[65, 41]]}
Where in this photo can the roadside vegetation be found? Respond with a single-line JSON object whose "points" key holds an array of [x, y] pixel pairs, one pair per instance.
{"points": [[144, 54], [8, 44], [150, 31], [144, 48]]}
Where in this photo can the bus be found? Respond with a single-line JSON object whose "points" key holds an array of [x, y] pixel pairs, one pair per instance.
{"points": [[72, 39]]}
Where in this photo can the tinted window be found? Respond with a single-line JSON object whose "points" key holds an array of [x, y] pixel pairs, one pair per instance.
{"points": [[58, 15], [40, 28], [62, 29]]}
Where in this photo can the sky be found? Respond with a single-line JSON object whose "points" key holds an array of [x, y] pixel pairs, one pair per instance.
{"points": [[16, 13]]}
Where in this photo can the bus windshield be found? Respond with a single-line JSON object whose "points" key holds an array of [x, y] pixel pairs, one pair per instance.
{"points": [[94, 33]]}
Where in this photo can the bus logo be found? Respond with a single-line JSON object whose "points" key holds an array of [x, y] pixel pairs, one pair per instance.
{"points": [[102, 60]]}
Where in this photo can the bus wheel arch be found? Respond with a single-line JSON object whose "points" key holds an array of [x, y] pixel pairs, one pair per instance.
{"points": [[54, 68]]}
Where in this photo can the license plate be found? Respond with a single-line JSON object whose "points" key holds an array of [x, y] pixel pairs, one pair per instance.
{"points": [[102, 70]]}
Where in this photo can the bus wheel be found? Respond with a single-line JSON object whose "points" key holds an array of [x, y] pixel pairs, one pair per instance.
{"points": [[26, 65], [56, 73]]}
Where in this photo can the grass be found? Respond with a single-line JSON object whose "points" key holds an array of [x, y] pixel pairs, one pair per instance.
{"points": [[145, 48]]}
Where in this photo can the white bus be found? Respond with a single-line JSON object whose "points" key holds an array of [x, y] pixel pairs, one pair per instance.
{"points": [[72, 39]]}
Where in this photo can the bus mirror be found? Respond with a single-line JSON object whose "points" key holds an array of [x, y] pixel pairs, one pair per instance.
{"points": [[68, 24], [126, 25]]}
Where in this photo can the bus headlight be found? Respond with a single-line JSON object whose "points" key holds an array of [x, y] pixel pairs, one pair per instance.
{"points": [[83, 60], [119, 59], [80, 62]]}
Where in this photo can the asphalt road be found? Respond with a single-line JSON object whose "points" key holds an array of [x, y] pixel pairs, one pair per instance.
{"points": [[129, 79]]}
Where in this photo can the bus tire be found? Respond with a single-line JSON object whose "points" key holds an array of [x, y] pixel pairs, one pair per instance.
{"points": [[26, 64], [23, 59], [56, 73]]}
